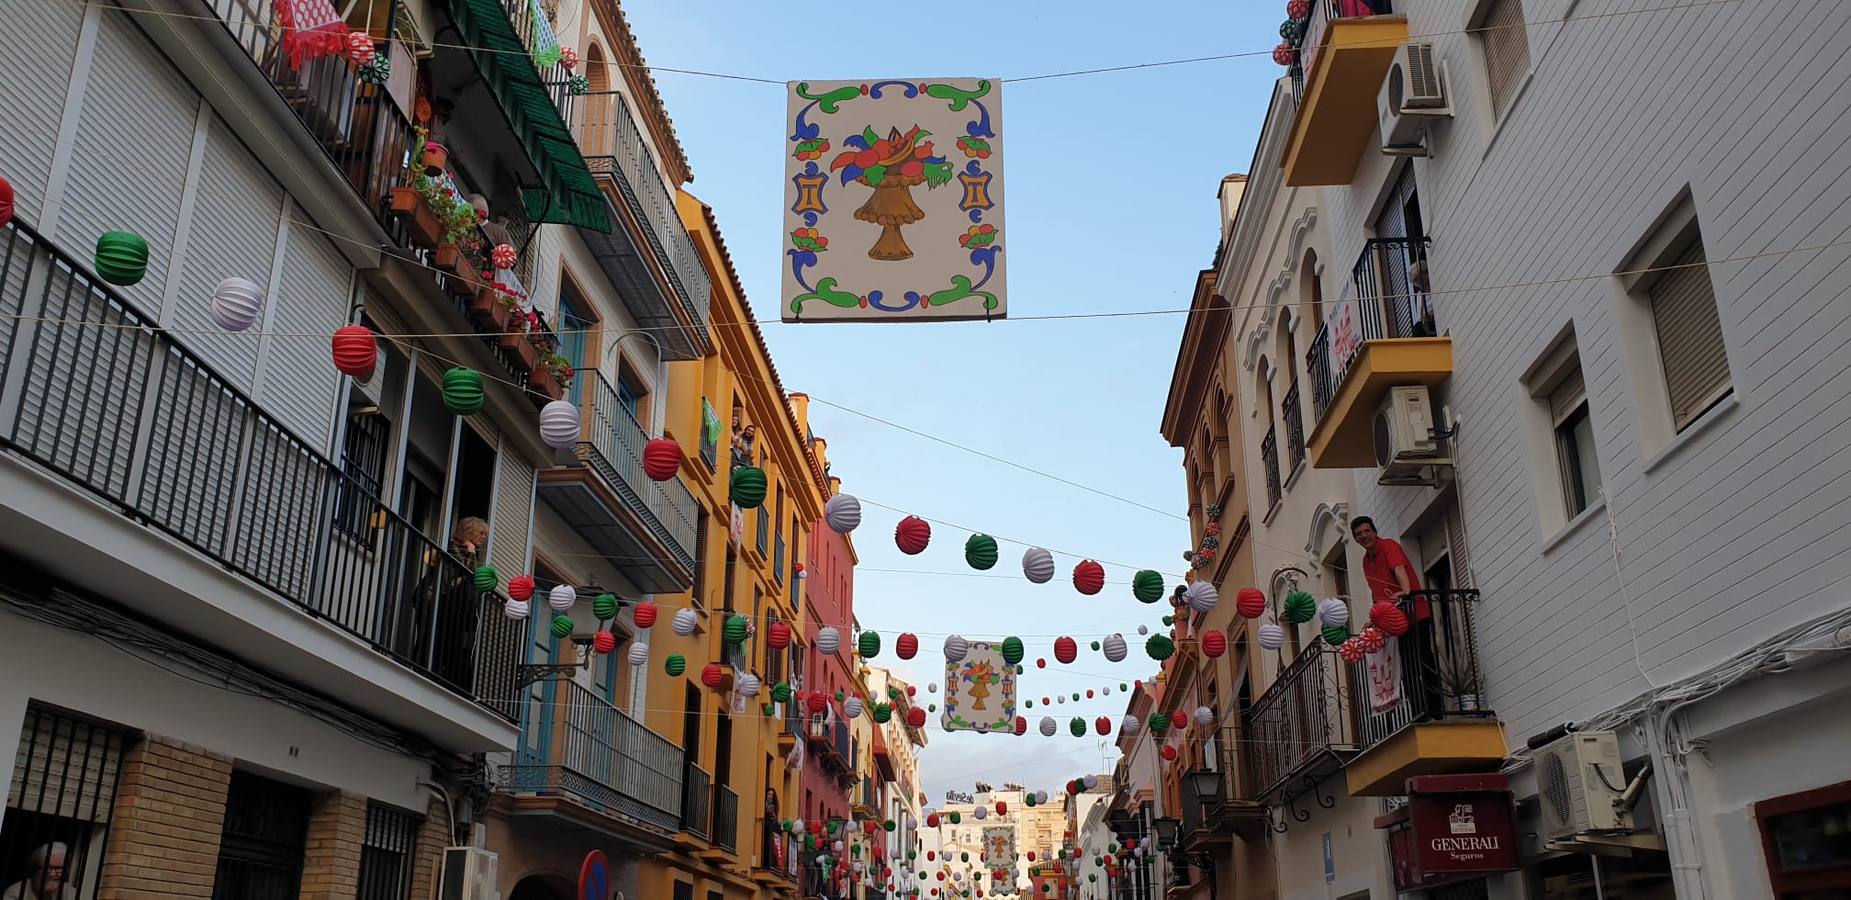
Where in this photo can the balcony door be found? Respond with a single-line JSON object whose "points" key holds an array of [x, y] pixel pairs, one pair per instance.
{"points": [[1401, 260], [539, 707]]}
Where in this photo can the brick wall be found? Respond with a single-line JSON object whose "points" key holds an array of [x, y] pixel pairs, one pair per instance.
{"points": [[331, 861], [427, 861], [170, 809]]}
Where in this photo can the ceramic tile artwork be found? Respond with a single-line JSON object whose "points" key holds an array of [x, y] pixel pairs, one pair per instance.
{"points": [[893, 201], [980, 691]]}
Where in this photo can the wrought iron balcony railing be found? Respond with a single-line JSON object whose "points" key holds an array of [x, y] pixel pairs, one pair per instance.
{"points": [[616, 440], [1436, 675], [1391, 301], [1269, 456], [725, 817], [1299, 724], [1323, 12], [1294, 416], [607, 760], [696, 799]]}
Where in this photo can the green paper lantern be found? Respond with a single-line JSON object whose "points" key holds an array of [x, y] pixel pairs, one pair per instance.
{"points": [[781, 692], [1018, 670], [954, 820], [769, 709], [1076, 697], [675, 665], [1160, 647], [980, 551], [748, 487], [785, 826], [1077, 725], [462, 391], [1029, 799], [869, 644], [562, 626], [1028, 704], [1158, 723], [882, 713], [893, 693], [1335, 635], [487, 578], [1095, 645], [962, 857], [931, 707], [1300, 607], [839, 696], [121, 257], [912, 854], [1123, 686], [735, 629], [1012, 650], [887, 825], [1147, 586], [832, 826], [604, 606]]}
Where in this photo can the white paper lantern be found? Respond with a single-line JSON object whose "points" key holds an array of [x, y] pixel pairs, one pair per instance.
{"points": [[561, 598], [237, 303], [1038, 565], [1204, 716], [1041, 796], [1334, 612], [1060, 698], [684, 621], [1272, 637], [1047, 729], [1091, 781], [842, 513], [559, 425], [1202, 596], [1114, 647], [1143, 629], [515, 609], [1129, 725], [797, 826], [828, 640], [931, 687], [980, 813], [955, 648], [853, 707], [748, 685], [1106, 691], [639, 653]]}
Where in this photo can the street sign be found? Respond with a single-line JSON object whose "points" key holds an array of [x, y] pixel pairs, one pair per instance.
{"points": [[594, 879]]}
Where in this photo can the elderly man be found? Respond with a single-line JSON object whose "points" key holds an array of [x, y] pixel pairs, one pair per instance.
{"points": [[44, 876]]}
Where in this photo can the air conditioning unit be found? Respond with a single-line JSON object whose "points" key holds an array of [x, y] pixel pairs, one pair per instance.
{"points": [[1405, 445], [1579, 780], [468, 874], [1413, 93]]}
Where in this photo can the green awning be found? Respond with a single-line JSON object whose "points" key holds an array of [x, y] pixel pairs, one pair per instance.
{"points": [[567, 194]]}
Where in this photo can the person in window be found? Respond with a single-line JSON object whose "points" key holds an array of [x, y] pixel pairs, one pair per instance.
{"points": [[1391, 577], [468, 539], [44, 876], [742, 445]]}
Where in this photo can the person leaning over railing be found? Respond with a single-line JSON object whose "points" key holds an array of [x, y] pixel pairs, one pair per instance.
{"points": [[1392, 578]]}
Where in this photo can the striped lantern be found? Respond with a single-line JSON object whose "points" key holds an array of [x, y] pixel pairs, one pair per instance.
{"points": [[1147, 586], [1204, 716], [6, 202], [675, 665], [712, 674], [661, 459], [1202, 596], [355, 351], [736, 629], [1038, 565], [980, 551], [604, 607], [516, 609], [639, 653], [1048, 726], [869, 643], [1088, 577], [644, 614], [1076, 726], [121, 257], [520, 587], [360, 49], [1389, 618], [1065, 649], [955, 648], [1114, 647], [1012, 650], [1250, 602], [778, 635], [906, 646], [916, 717], [749, 685], [1334, 612], [561, 598], [842, 513], [604, 642], [486, 578], [559, 424], [1214, 644], [748, 487], [912, 535], [684, 621], [562, 626], [1272, 637], [1160, 647], [462, 391], [854, 707], [828, 640], [237, 303]]}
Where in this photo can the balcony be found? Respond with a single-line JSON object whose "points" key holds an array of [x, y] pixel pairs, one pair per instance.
{"points": [[1219, 800], [831, 744], [1382, 334], [1269, 456], [725, 818], [599, 769], [151, 431], [696, 799], [1298, 731], [1346, 49], [1294, 415], [1425, 716], [650, 257], [646, 528]]}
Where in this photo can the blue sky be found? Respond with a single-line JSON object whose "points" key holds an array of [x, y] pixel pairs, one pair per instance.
{"points": [[1111, 183]]}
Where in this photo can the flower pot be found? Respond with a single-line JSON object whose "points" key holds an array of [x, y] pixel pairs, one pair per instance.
{"points": [[546, 383], [435, 158], [488, 310], [525, 354], [449, 258], [421, 225]]}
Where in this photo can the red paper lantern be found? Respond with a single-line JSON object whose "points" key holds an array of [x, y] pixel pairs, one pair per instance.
{"points": [[916, 718], [1021, 725], [1031, 856], [1065, 649], [1214, 643], [661, 459], [778, 635], [1179, 719], [869, 826], [1250, 602], [355, 351], [360, 49], [1040, 663], [1284, 54], [1002, 809], [6, 202], [1388, 618], [912, 691], [817, 702], [907, 646], [1103, 724], [931, 822], [1089, 577], [604, 642], [1089, 693], [1169, 753], [912, 535], [520, 587], [645, 614], [712, 674]]}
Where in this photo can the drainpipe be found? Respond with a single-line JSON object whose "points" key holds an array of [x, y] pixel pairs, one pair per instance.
{"points": [[1674, 792]]}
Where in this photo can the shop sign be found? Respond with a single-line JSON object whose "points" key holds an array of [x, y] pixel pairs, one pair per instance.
{"points": [[1453, 826]]}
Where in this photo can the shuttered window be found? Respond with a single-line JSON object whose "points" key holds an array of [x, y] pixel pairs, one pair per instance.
{"points": [[1683, 303], [1507, 50]]}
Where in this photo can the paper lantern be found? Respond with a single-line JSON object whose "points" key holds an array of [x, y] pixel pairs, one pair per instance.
{"points": [[462, 391], [504, 256], [1088, 577], [1021, 725], [237, 303], [559, 424], [1300, 607], [828, 640], [639, 653], [562, 626], [778, 635], [1048, 727], [520, 587], [1284, 55], [6, 202], [1201, 596], [853, 707], [1332, 611], [1160, 647], [1129, 725], [906, 646], [1065, 649], [748, 489], [1076, 726], [781, 692], [916, 717], [360, 50], [355, 351], [869, 643], [1012, 650], [121, 257], [486, 578], [815, 702], [561, 598], [912, 535], [842, 513], [604, 642], [1351, 651], [1372, 639], [1204, 716], [1388, 617], [1143, 629], [1272, 637], [516, 609], [644, 614], [1335, 635], [955, 648], [604, 607], [1147, 586], [1214, 643], [661, 459], [1114, 647], [882, 713], [736, 629], [980, 551], [712, 674], [685, 621], [1038, 565], [931, 822]]}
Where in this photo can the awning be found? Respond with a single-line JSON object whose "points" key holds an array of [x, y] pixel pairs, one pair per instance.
{"points": [[567, 195]]}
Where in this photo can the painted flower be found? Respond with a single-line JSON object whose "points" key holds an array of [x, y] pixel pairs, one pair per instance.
{"points": [[809, 239], [812, 149], [977, 236]]}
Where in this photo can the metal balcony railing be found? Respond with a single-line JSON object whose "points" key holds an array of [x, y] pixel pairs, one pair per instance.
{"points": [[617, 440], [1269, 455], [1299, 721], [1437, 674], [725, 817], [533, 30], [119, 409], [607, 760], [696, 799], [1294, 416], [1391, 301], [1323, 12]]}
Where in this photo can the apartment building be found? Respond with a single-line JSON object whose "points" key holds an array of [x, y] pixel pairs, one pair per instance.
{"points": [[895, 754], [828, 774]]}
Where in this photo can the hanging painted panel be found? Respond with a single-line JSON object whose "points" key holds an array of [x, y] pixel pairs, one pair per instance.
{"points": [[980, 691]]}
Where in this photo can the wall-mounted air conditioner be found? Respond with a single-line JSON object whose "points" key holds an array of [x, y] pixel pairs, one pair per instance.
{"points": [[468, 874], [1406, 445], [1412, 94], [1580, 782]]}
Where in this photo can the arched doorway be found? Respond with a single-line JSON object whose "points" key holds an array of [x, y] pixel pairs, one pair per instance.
{"points": [[542, 887]]}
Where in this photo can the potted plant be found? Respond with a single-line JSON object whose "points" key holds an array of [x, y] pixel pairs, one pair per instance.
{"points": [[551, 377], [434, 158], [515, 341], [491, 307], [421, 224]]}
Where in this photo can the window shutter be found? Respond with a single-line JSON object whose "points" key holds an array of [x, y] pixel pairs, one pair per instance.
{"points": [[508, 545], [1507, 51], [1689, 336], [1567, 396]]}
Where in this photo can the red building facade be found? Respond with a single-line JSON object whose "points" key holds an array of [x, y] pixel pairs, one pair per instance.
{"points": [[829, 590]]}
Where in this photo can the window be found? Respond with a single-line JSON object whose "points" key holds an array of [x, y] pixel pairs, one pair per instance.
{"points": [[60, 801], [629, 395], [385, 854], [363, 462], [1506, 43], [266, 832], [1560, 433], [700, 558], [1683, 304], [1806, 840], [1574, 443], [684, 891]]}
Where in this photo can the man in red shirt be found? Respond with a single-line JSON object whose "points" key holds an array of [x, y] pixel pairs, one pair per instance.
{"points": [[1391, 577]]}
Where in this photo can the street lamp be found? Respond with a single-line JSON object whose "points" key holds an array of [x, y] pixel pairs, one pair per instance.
{"points": [[1166, 831], [1207, 785]]}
